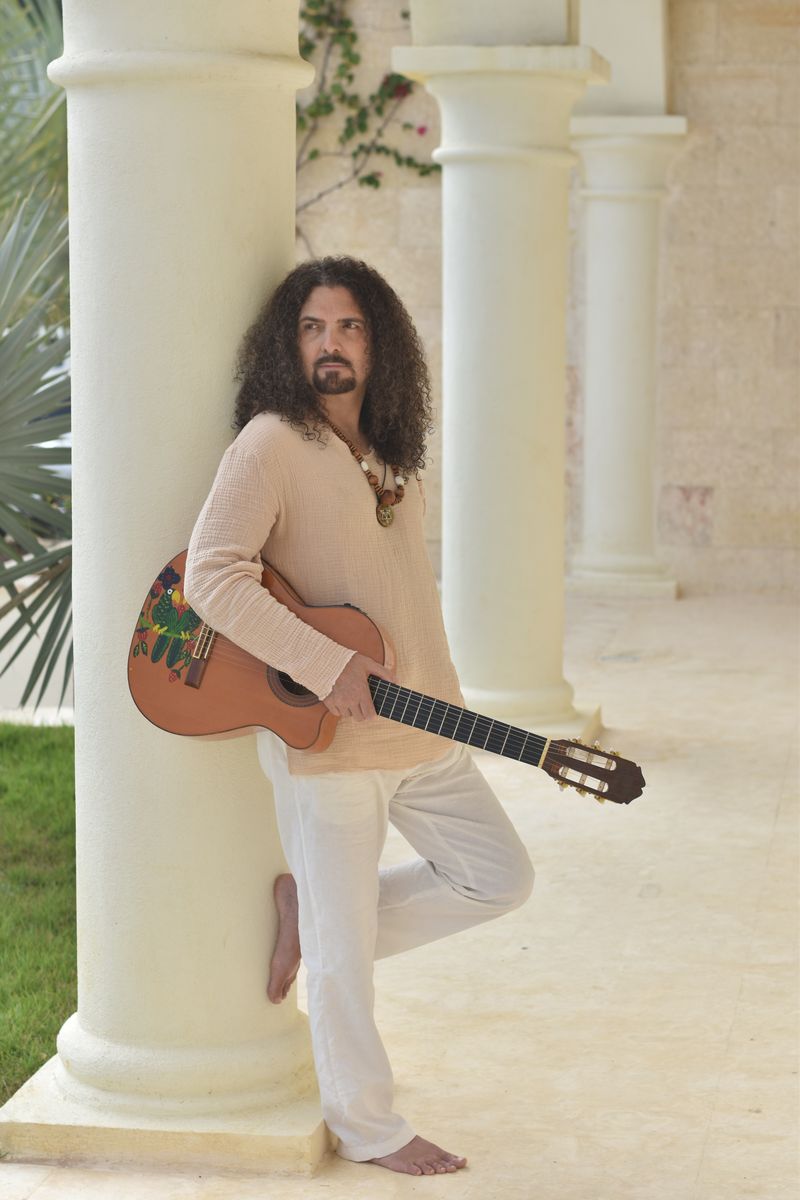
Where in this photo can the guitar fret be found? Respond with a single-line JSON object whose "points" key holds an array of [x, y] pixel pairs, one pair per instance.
{"points": [[480, 733], [444, 714], [513, 743], [394, 704], [500, 731], [423, 714], [379, 708], [515, 735], [496, 733], [450, 710], [533, 753]]}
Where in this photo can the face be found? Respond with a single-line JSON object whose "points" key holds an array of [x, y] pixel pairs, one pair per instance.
{"points": [[333, 341]]}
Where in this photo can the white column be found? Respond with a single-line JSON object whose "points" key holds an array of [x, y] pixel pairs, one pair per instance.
{"points": [[506, 160], [181, 173], [625, 160]]}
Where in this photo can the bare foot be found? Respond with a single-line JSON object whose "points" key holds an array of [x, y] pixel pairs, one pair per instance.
{"points": [[419, 1157], [286, 955]]}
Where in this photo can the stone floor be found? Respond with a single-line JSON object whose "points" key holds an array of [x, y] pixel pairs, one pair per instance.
{"points": [[630, 1033]]}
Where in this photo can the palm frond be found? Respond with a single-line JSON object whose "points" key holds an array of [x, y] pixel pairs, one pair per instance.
{"points": [[35, 574], [32, 109]]}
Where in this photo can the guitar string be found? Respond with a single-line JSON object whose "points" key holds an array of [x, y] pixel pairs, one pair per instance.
{"points": [[225, 651], [245, 664]]}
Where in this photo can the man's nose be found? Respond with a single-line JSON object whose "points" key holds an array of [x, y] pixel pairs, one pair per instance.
{"points": [[331, 343]]}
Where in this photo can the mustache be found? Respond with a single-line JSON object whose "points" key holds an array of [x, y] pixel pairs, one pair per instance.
{"points": [[332, 360]]}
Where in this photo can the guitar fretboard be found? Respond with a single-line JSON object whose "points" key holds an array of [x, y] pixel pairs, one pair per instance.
{"points": [[459, 724]]}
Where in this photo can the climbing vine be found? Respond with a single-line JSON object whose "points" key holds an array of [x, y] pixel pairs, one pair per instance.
{"points": [[336, 121]]}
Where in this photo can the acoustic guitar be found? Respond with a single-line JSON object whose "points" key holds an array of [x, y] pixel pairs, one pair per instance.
{"points": [[188, 679]]}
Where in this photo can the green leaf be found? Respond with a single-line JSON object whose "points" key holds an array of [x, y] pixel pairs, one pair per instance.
{"points": [[159, 646], [58, 629]]}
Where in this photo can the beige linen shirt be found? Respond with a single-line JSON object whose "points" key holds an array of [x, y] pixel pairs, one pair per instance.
{"points": [[307, 509]]}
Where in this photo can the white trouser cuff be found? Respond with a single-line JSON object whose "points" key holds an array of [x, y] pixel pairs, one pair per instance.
{"points": [[378, 1149]]}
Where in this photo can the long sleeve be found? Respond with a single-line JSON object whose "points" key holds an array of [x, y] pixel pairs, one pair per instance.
{"points": [[223, 576]]}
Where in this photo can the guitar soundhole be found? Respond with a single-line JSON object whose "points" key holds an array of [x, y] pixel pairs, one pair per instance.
{"points": [[288, 690]]}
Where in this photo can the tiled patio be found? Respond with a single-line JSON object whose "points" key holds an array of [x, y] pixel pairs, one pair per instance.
{"points": [[630, 1033]]}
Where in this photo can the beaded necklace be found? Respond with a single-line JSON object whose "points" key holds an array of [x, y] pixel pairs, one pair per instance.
{"points": [[386, 497]]}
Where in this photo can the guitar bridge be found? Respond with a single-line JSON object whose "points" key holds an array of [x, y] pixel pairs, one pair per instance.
{"points": [[202, 649]]}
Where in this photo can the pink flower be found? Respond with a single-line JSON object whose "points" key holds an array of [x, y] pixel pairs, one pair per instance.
{"points": [[422, 130], [173, 675]]}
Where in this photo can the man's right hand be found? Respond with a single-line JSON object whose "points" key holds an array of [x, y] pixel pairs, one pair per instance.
{"points": [[350, 696]]}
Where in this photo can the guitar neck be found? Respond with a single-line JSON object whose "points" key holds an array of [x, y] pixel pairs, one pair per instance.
{"points": [[459, 724]]}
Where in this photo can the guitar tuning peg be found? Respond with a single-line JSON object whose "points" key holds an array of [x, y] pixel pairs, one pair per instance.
{"points": [[614, 753], [600, 799], [582, 792], [596, 745], [562, 785]]}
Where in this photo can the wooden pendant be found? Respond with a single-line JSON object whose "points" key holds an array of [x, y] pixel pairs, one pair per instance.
{"points": [[384, 514]]}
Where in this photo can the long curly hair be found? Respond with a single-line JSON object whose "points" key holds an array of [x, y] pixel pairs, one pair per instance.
{"points": [[396, 413]]}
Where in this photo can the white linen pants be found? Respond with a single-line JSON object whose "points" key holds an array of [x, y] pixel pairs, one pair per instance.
{"points": [[333, 826]]}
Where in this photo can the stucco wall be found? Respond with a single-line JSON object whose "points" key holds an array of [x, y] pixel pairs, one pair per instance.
{"points": [[728, 378], [728, 441]]}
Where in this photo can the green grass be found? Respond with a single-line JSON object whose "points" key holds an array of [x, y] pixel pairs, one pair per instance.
{"points": [[37, 897]]}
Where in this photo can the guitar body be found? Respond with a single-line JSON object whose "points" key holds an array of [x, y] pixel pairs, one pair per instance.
{"points": [[187, 678], [234, 693]]}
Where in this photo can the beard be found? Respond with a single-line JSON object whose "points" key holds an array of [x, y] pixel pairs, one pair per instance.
{"points": [[334, 382]]}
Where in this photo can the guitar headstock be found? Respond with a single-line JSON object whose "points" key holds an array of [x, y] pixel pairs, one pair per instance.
{"points": [[593, 771]]}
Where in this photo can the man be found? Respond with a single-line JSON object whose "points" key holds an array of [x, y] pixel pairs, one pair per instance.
{"points": [[332, 411]]}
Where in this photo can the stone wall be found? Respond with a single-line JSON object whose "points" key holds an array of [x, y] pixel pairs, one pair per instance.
{"points": [[728, 381], [729, 399]]}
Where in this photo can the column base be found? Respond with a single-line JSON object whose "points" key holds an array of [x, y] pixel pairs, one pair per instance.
{"points": [[553, 703], [622, 583], [40, 1124], [620, 575]]}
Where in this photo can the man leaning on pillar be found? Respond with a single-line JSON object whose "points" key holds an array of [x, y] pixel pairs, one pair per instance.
{"points": [[331, 414]]}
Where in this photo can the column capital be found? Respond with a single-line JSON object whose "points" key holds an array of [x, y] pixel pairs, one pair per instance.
{"points": [[424, 62], [515, 98], [626, 157]]}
